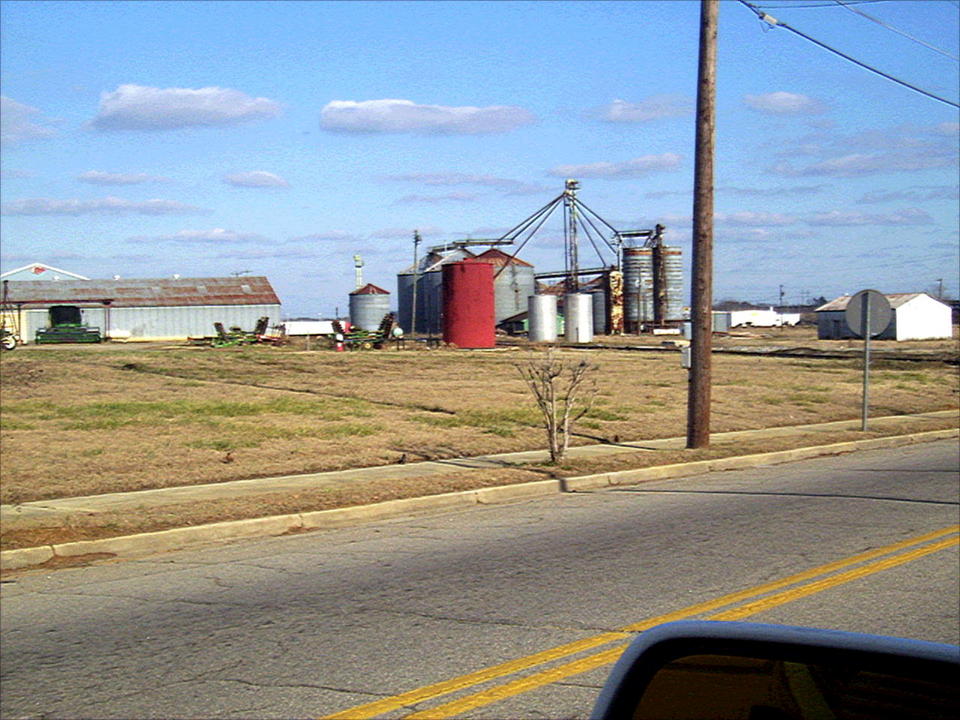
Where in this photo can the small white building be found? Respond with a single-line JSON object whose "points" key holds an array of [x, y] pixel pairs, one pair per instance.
{"points": [[916, 316], [753, 317]]}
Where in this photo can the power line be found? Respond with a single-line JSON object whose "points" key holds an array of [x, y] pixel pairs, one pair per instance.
{"points": [[820, 5], [773, 22], [847, 5]]}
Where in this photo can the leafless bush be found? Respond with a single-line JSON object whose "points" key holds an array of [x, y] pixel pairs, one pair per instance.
{"points": [[564, 391]]}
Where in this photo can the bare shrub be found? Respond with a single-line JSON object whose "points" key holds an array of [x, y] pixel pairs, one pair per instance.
{"points": [[564, 391]]}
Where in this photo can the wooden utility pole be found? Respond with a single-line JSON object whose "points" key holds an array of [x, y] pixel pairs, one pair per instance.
{"points": [[701, 292]]}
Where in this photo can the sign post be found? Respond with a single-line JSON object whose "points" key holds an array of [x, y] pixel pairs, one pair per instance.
{"points": [[868, 314]]}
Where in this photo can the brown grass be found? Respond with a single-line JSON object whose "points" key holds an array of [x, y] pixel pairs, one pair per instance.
{"points": [[79, 421]]}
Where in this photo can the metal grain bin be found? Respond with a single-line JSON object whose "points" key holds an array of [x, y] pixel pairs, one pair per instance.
{"points": [[637, 288], [368, 305], [578, 317], [542, 318], [673, 264], [429, 292], [513, 282], [599, 296]]}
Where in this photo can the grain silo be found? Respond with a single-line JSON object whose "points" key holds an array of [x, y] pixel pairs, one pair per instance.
{"points": [[513, 282], [429, 299], [578, 317], [368, 305], [637, 287]]}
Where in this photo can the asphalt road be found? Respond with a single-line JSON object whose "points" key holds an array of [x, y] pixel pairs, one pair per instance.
{"points": [[315, 624]]}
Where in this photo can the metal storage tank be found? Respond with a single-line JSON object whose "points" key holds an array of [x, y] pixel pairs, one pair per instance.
{"points": [[578, 317], [429, 292], [637, 287], [599, 296], [673, 264], [513, 282], [368, 305], [468, 304], [542, 318]]}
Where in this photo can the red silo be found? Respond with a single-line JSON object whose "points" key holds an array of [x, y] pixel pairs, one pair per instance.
{"points": [[468, 304]]}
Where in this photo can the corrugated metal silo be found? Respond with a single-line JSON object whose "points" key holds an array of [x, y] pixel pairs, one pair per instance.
{"points": [[637, 287], [673, 264], [429, 282], [599, 296], [513, 282], [468, 304], [542, 318], [368, 305], [578, 317]]}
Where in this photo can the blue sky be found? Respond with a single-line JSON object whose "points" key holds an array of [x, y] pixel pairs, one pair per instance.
{"points": [[206, 138]]}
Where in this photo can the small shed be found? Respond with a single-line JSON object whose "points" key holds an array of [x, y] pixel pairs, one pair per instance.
{"points": [[916, 316], [164, 309]]}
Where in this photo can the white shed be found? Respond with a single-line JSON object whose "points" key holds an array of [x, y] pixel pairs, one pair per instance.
{"points": [[916, 316]]}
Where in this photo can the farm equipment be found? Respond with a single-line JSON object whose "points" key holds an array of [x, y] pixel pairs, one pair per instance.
{"points": [[238, 336], [370, 339], [66, 326], [9, 322]]}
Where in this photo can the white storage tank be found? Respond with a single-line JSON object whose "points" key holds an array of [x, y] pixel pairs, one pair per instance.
{"points": [[542, 318], [578, 317]]}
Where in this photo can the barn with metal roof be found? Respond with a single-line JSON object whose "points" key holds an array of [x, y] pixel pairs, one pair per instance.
{"points": [[915, 316], [152, 309]]}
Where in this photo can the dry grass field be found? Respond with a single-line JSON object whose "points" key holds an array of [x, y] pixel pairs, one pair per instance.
{"points": [[82, 420], [98, 419]]}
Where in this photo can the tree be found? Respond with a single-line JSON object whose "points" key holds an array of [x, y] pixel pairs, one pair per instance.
{"points": [[563, 394]]}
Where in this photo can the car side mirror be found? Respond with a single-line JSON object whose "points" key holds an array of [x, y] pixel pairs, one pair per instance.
{"points": [[702, 670]]}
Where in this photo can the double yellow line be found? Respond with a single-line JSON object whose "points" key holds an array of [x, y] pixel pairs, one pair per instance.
{"points": [[757, 599]]}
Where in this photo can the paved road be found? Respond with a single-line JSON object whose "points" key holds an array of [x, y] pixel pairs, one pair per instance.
{"points": [[314, 624]]}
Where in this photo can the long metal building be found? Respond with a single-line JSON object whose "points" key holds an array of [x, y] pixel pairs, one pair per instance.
{"points": [[155, 309]]}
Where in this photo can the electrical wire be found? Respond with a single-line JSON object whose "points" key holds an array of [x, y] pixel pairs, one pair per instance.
{"points": [[846, 5], [586, 231], [773, 22]]}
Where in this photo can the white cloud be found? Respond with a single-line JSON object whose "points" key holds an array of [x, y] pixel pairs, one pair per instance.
{"points": [[922, 193], [329, 236], [653, 108], [100, 206], [507, 185], [638, 167], [772, 192], [97, 177], [255, 179], [856, 164], [405, 116], [950, 129], [135, 107], [19, 122], [212, 236], [405, 233], [448, 197], [837, 218], [785, 103], [753, 219]]}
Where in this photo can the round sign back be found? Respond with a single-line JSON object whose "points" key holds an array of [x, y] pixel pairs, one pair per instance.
{"points": [[868, 313]]}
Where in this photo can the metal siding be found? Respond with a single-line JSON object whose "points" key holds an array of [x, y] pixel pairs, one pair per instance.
{"points": [[637, 288], [673, 266], [511, 289], [171, 323]]}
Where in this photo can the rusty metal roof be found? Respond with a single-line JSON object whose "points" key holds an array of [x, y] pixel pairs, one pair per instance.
{"points": [[370, 289], [500, 258], [150, 292], [895, 299]]}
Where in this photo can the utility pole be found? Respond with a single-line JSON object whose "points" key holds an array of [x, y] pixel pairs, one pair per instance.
{"points": [[416, 275], [701, 295], [940, 289]]}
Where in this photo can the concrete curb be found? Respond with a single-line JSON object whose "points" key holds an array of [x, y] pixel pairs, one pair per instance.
{"points": [[143, 544]]}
